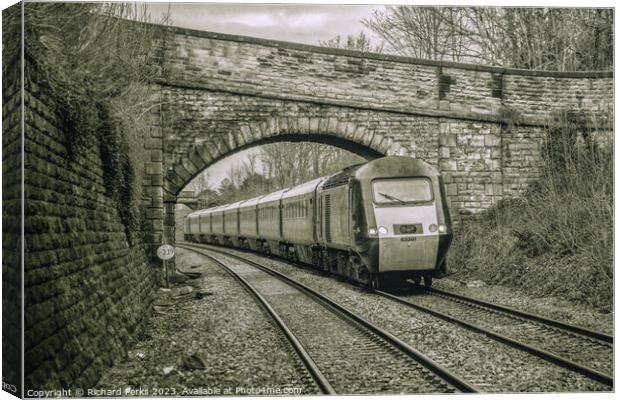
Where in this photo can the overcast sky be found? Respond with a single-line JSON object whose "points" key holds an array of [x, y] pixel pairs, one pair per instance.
{"points": [[303, 23]]}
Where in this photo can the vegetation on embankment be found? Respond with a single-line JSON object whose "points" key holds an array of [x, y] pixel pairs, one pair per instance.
{"points": [[556, 240], [97, 61]]}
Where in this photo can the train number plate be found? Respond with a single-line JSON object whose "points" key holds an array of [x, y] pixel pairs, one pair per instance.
{"points": [[409, 239]]}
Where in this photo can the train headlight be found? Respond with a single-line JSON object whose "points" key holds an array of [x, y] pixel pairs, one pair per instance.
{"points": [[443, 228], [372, 231], [383, 230], [432, 228]]}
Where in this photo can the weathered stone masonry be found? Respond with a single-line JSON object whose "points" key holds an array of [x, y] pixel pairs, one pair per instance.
{"points": [[222, 93], [11, 209], [86, 290]]}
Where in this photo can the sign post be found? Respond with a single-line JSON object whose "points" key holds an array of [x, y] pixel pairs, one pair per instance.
{"points": [[165, 252]]}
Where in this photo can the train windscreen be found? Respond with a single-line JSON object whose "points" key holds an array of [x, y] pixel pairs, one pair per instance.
{"points": [[402, 190]]}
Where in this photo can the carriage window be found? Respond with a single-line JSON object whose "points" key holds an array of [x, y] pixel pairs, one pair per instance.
{"points": [[395, 191]]}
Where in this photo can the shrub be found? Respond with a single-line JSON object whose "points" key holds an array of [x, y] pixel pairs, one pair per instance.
{"points": [[99, 67], [558, 238]]}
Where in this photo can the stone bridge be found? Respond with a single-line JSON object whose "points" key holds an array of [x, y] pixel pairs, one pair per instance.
{"points": [[481, 125]]}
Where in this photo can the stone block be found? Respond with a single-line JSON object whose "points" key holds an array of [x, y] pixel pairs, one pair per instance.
{"points": [[313, 125], [451, 189], [182, 173], [153, 144], [156, 156], [478, 140], [283, 124], [303, 124], [359, 134], [323, 124], [189, 166], [491, 140], [444, 105], [444, 152], [246, 132], [154, 213], [491, 165], [157, 180], [153, 168], [332, 127], [447, 165], [451, 140], [386, 145], [349, 130]]}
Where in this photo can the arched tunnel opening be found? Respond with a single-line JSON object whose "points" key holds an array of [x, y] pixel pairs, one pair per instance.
{"points": [[264, 167]]}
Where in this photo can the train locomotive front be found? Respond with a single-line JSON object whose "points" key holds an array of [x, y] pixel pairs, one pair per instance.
{"points": [[400, 224]]}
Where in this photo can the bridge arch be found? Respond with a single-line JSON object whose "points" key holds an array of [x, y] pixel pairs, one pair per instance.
{"points": [[357, 138]]}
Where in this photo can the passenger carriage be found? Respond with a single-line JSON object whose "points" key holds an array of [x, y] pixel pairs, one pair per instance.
{"points": [[270, 222], [231, 223], [248, 223], [298, 218]]}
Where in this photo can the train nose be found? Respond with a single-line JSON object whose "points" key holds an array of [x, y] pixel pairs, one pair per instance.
{"points": [[407, 253], [406, 240]]}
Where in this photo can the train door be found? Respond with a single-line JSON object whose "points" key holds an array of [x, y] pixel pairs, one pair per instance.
{"points": [[238, 221], [356, 213], [280, 210], [350, 208], [255, 211], [319, 219]]}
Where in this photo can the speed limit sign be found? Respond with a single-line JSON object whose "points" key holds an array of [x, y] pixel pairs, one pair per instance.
{"points": [[165, 252]]}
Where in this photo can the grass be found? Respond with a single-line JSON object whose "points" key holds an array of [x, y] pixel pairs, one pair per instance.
{"points": [[556, 240]]}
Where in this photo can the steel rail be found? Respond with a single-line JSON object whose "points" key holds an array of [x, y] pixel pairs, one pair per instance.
{"points": [[536, 318], [561, 361], [448, 376], [324, 386]]}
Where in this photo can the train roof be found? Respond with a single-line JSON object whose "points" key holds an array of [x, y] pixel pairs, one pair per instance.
{"points": [[251, 202], [304, 188], [196, 213], [272, 196], [232, 205], [207, 211], [341, 178], [396, 166]]}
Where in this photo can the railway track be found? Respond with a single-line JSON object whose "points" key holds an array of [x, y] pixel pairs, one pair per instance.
{"points": [[603, 337], [342, 352], [574, 348], [587, 352]]}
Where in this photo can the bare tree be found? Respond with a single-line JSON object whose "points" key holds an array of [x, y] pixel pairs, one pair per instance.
{"points": [[422, 32], [200, 183], [289, 164], [360, 42], [558, 39]]}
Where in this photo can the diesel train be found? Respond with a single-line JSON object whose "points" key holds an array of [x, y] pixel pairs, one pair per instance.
{"points": [[379, 223]]}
